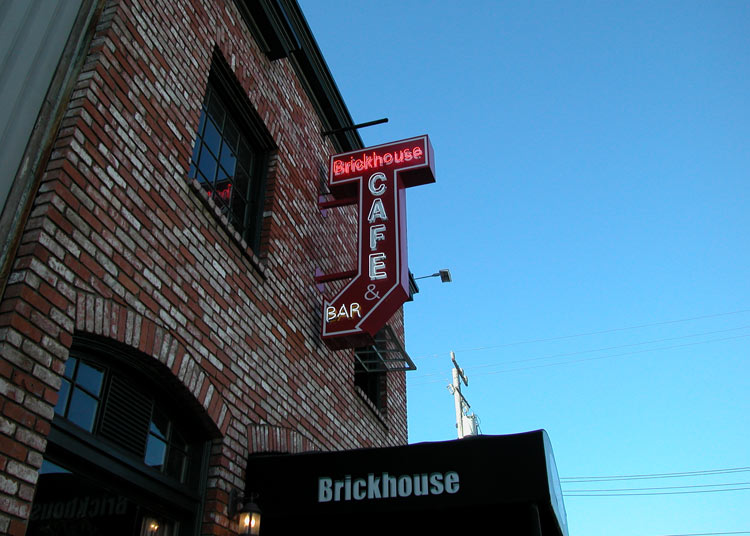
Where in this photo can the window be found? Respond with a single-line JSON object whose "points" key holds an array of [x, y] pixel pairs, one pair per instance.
{"points": [[166, 447], [125, 455], [372, 384], [231, 153], [80, 393], [373, 363]]}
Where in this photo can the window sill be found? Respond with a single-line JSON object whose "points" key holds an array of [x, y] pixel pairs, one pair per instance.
{"points": [[255, 261]]}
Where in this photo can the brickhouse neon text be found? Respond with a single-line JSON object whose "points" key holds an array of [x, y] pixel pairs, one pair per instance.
{"points": [[376, 160]]}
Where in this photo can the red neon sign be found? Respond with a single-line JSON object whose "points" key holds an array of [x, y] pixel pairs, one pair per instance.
{"points": [[377, 177]]}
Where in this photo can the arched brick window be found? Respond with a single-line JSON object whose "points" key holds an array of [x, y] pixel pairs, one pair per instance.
{"points": [[127, 454]]}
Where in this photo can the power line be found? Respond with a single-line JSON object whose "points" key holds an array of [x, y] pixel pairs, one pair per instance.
{"points": [[644, 494], [705, 472], [589, 333], [658, 488], [580, 352], [672, 347], [710, 533]]}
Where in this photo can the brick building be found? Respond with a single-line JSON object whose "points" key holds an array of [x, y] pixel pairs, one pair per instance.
{"points": [[160, 320]]}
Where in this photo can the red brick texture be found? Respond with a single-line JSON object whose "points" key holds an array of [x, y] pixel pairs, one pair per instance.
{"points": [[120, 244]]}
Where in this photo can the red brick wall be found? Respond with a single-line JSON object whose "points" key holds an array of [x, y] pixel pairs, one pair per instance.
{"points": [[121, 245]]}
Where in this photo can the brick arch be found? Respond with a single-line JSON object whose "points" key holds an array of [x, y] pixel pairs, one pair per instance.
{"points": [[269, 438], [104, 317]]}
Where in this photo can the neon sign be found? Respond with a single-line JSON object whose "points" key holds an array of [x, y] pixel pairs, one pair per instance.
{"points": [[376, 178]]}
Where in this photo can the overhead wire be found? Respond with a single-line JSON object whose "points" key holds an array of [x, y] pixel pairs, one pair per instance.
{"points": [[704, 472], [656, 490], [611, 356], [643, 494], [589, 333], [581, 352], [710, 533]]}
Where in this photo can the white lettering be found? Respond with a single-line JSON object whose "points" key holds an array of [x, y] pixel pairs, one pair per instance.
{"points": [[357, 490], [325, 493], [377, 211], [420, 484], [386, 486], [377, 266], [376, 235], [354, 309], [376, 190], [373, 487], [451, 482], [389, 486], [404, 486], [338, 485], [436, 483]]}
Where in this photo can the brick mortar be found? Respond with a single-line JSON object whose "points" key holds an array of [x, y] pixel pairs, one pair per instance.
{"points": [[120, 245]]}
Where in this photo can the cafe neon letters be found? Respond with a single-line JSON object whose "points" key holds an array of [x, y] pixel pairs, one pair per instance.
{"points": [[376, 178]]}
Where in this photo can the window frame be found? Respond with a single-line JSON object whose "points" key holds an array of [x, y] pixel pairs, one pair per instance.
{"points": [[100, 459], [223, 86], [373, 386]]}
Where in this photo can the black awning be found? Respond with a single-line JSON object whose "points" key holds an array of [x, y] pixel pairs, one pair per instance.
{"points": [[496, 484]]}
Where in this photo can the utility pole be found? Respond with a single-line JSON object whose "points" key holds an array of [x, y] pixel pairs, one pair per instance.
{"points": [[466, 424]]}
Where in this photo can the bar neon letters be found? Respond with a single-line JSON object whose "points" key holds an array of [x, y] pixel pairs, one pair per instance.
{"points": [[354, 309]]}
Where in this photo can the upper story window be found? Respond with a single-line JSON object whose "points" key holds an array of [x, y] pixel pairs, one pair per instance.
{"points": [[231, 153], [372, 383]]}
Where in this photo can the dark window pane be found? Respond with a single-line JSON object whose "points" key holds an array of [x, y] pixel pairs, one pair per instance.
{"points": [[207, 165], [70, 367], [156, 450], [245, 157], [89, 378], [62, 399], [212, 137], [49, 468], [82, 410], [176, 463], [159, 425], [242, 185], [231, 134], [222, 177], [177, 440], [216, 109], [240, 218], [228, 160]]}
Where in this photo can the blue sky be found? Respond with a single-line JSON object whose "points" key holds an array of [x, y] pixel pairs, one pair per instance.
{"points": [[593, 205]]}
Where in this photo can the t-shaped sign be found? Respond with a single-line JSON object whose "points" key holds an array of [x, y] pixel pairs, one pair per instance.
{"points": [[376, 177]]}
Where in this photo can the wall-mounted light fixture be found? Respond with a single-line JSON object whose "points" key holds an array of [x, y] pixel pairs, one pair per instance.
{"points": [[444, 275], [247, 510], [150, 526]]}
